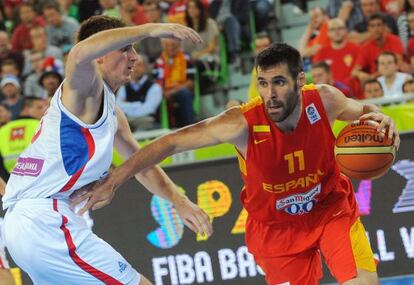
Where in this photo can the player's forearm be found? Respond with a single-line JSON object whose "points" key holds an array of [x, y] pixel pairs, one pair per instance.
{"points": [[142, 159], [98, 44], [159, 184]]}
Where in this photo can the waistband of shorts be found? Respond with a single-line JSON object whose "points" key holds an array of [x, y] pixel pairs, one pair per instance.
{"points": [[41, 203]]}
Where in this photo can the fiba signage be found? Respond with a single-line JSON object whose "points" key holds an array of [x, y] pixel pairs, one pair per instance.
{"points": [[149, 233]]}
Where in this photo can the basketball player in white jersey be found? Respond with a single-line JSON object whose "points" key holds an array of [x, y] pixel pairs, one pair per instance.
{"points": [[6, 277], [72, 148]]}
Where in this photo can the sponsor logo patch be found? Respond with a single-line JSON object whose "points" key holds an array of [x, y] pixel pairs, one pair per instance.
{"points": [[299, 204], [28, 166], [312, 113]]}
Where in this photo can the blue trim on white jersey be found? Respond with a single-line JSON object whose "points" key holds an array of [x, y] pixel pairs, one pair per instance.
{"points": [[73, 145]]}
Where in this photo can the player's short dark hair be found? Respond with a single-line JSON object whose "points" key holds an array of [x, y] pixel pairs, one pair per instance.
{"points": [[323, 65], [97, 24], [280, 53]]}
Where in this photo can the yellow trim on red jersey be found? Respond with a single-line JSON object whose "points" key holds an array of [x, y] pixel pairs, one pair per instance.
{"points": [[251, 104], [242, 163], [309, 87], [261, 129]]}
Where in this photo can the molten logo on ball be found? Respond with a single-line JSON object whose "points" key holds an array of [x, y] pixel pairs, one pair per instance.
{"points": [[364, 138], [362, 152]]}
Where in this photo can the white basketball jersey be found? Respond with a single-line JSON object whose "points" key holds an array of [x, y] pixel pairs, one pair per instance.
{"points": [[65, 153]]}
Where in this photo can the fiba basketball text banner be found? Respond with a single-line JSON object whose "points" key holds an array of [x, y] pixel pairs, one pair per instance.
{"points": [[147, 231]]}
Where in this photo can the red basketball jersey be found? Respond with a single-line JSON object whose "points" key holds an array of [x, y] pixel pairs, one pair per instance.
{"points": [[291, 177]]}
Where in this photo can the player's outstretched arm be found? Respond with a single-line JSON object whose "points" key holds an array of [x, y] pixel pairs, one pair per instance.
{"points": [[229, 127], [158, 183], [82, 78], [339, 107]]}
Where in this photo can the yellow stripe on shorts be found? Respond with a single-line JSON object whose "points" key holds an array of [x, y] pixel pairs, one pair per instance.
{"points": [[364, 257]]}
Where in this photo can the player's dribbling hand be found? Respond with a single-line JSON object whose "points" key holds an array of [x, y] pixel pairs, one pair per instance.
{"points": [[385, 122], [177, 31], [97, 194], [193, 217]]}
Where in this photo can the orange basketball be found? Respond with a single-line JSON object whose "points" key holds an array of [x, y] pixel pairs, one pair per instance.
{"points": [[362, 152]]}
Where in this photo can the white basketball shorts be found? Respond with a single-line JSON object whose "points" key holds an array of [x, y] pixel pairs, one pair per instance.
{"points": [[55, 246]]}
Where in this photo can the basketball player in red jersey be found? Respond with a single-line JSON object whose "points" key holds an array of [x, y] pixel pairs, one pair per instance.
{"points": [[300, 207]]}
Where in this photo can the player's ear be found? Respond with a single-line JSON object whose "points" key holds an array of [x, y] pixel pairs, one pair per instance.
{"points": [[99, 60], [301, 80]]}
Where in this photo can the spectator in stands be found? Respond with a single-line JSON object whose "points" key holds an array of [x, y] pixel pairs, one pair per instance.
{"points": [[11, 89], [151, 47], [176, 75], [410, 44], [60, 29], [31, 84], [18, 133], [372, 89], [391, 80], [88, 8], [110, 8], [205, 55], [223, 13], [69, 8], [39, 39], [340, 53], [140, 98], [348, 11], [5, 114], [9, 67], [262, 41], [52, 76], [132, 13], [405, 30], [7, 53], [382, 40], [408, 88], [262, 10], [361, 31], [176, 12], [316, 33], [21, 34], [321, 74]]}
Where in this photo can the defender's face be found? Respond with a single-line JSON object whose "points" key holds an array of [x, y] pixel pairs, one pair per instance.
{"points": [[118, 65], [278, 90]]}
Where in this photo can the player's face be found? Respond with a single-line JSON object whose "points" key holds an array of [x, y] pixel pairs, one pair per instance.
{"points": [[278, 90], [118, 65]]}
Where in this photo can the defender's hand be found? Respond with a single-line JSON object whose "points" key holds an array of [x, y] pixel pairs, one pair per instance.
{"points": [[176, 31], [193, 217], [97, 194]]}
